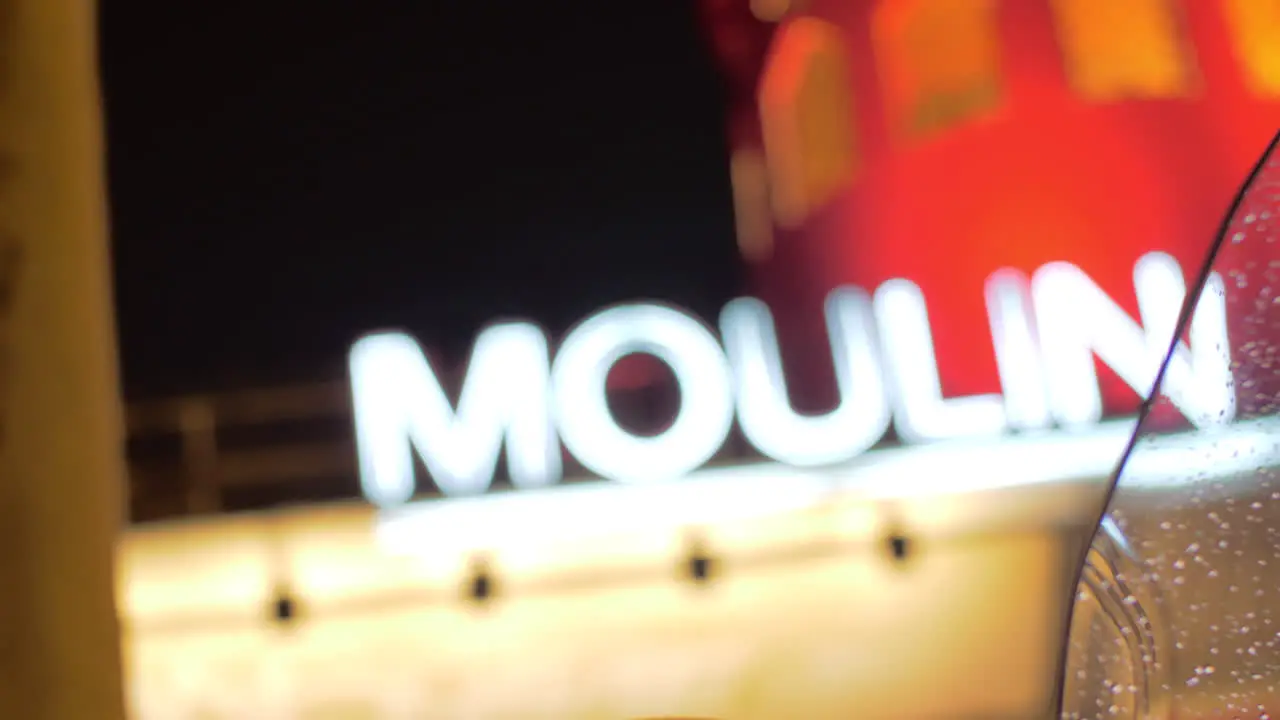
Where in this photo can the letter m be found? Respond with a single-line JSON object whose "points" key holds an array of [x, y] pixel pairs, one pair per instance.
{"points": [[399, 406]]}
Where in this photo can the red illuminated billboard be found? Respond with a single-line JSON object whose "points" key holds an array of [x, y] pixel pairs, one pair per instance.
{"points": [[942, 141], [964, 219]]}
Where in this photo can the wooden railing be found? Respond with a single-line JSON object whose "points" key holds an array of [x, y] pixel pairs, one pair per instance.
{"points": [[194, 454], [253, 449]]}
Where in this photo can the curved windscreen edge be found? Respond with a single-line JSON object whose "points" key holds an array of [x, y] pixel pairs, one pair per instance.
{"points": [[1184, 319]]}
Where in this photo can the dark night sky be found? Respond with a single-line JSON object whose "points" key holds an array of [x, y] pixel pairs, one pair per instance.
{"points": [[282, 181]]}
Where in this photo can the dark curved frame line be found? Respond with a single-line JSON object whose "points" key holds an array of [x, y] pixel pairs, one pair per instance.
{"points": [[1184, 317]]}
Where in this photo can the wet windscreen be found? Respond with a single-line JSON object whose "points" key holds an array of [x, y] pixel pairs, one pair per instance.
{"points": [[1178, 608]]}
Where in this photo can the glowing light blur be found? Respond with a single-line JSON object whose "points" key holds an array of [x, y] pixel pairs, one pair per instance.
{"points": [[922, 413], [1078, 320], [571, 514], [1013, 335], [765, 411], [582, 413], [1044, 339], [505, 398], [589, 576]]}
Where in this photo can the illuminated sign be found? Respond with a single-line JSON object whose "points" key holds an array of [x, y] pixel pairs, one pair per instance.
{"points": [[1045, 333], [586, 577], [938, 140]]}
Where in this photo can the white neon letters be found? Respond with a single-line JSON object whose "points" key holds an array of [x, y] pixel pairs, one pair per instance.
{"points": [[1045, 333], [586, 424], [1199, 380], [1079, 321], [398, 404], [765, 413], [1013, 337], [921, 412]]}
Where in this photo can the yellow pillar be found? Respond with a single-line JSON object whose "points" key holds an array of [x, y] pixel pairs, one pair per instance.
{"points": [[61, 466]]}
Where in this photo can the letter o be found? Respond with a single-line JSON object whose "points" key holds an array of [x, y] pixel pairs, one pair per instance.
{"points": [[587, 426]]}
